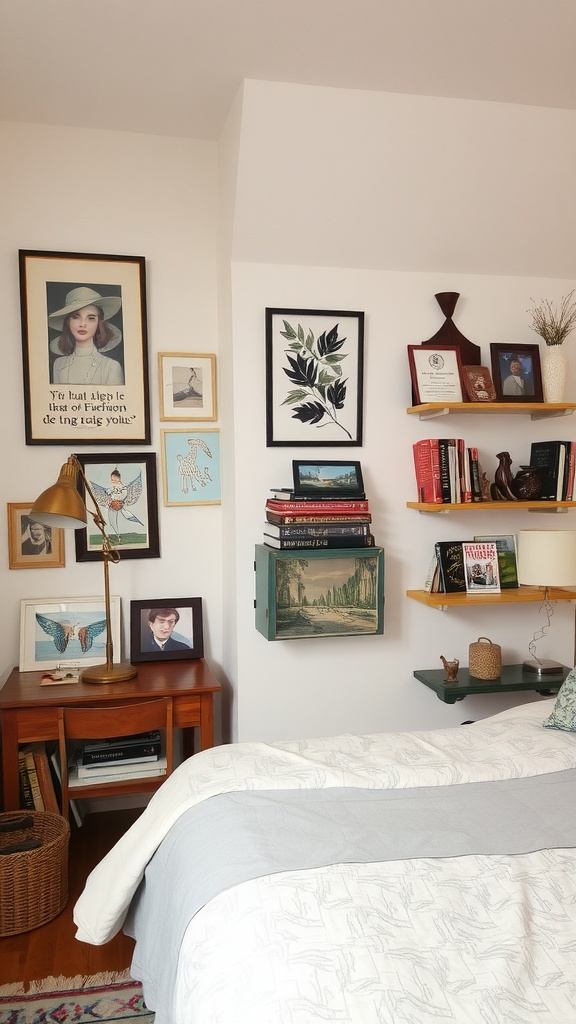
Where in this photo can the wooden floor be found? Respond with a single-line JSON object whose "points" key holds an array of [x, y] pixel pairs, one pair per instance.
{"points": [[53, 949]]}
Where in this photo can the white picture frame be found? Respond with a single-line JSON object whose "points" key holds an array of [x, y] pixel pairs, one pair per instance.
{"points": [[65, 645]]}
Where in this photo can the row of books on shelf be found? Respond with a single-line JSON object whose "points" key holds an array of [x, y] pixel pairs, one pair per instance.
{"points": [[94, 763], [40, 781], [294, 522], [482, 565], [449, 472]]}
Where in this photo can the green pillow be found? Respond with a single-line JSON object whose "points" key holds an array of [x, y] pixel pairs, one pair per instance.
{"points": [[564, 711]]}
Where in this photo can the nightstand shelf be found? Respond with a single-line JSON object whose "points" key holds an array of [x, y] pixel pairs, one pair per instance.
{"points": [[512, 678]]}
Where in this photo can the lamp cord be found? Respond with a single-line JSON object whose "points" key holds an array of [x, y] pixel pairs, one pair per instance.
{"points": [[548, 607]]}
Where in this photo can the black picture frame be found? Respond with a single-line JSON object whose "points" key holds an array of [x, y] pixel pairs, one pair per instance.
{"points": [[528, 356], [111, 405], [340, 477], [314, 377], [189, 611], [122, 501]]}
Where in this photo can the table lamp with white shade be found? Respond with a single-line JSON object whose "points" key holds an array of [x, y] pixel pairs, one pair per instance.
{"points": [[546, 559]]}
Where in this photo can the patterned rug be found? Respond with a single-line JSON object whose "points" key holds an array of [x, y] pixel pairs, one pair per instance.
{"points": [[101, 997]]}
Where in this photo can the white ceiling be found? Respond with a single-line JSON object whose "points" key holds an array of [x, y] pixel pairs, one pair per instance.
{"points": [[173, 67]]}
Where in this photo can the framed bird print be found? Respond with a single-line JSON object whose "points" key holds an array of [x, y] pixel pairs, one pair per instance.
{"points": [[125, 490], [69, 632]]}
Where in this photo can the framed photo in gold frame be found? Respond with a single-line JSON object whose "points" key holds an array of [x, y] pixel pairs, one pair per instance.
{"points": [[31, 545], [187, 382]]}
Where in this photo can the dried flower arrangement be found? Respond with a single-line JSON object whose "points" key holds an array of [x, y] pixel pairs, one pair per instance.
{"points": [[552, 325]]}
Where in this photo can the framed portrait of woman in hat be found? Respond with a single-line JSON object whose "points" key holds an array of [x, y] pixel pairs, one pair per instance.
{"points": [[85, 348]]}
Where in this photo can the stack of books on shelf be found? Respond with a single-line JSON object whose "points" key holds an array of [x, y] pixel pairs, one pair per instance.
{"points": [[555, 462], [327, 508], [447, 472], [37, 787], [484, 565], [117, 760]]}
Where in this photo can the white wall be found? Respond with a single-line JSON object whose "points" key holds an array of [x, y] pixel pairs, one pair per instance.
{"points": [[328, 199], [334, 190], [72, 190]]}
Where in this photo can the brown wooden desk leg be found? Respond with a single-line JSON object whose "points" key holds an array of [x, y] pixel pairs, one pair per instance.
{"points": [[206, 721], [10, 770]]}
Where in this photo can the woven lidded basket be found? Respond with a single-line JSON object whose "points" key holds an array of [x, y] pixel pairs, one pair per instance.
{"points": [[484, 659], [33, 881]]}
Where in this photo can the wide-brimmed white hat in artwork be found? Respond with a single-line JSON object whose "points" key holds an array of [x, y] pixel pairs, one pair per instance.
{"points": [[77, 298]]}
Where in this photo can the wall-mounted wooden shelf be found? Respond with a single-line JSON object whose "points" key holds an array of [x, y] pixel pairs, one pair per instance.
{"points": [[536, 410], [516, 595], [499, 506]]}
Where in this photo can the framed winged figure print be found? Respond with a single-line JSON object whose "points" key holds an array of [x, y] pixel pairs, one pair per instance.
{"points": [[126, 492]]}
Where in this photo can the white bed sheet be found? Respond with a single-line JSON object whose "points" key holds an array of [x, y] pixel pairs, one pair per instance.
{"points": [[469, 940], [512, 744]]}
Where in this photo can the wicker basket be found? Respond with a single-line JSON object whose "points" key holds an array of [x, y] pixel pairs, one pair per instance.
{"points": [[484, 659], [33, 882]]}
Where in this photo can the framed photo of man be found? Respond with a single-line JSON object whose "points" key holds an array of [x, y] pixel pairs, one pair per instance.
{"points": [[516, 373], [85, 352], [168, 629], [32, 545]]}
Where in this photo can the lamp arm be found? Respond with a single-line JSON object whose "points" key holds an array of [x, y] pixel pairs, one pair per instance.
{"points": [[109, 554]]}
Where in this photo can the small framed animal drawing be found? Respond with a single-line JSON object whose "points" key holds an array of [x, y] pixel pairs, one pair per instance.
{"points": [[68, 632], [191, 466]]}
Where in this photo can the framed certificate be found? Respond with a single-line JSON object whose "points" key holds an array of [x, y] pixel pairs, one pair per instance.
{"points": [[436, 373]]}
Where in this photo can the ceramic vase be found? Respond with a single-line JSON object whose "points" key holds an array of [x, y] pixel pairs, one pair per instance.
{"points": [[554, 367]]}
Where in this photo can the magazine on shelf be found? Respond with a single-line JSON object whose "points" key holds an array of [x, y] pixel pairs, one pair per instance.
{"points": [[481, 567]]}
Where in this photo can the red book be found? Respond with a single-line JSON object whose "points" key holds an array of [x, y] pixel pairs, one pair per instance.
{"points": [[315, 507], [331, 517], [427, 468]]}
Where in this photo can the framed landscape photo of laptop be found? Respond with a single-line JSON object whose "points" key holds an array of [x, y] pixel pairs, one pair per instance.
{"points": [[332, 478]]}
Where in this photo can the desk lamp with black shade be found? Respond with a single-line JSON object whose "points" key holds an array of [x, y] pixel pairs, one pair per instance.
{"points": [[546, 559], [62, 506]]}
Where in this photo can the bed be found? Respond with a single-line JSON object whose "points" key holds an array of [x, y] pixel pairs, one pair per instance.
{"points": [[405, 878]]}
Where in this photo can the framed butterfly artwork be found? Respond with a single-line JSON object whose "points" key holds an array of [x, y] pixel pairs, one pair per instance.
{"points": [[69, 632]]}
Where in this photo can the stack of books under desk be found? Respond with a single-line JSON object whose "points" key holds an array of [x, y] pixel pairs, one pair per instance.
{"points": [[116, 760]]}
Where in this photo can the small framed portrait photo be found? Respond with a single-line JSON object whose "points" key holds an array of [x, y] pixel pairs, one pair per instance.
{"points": [[167, 629], [516, 373], [31, 545]]}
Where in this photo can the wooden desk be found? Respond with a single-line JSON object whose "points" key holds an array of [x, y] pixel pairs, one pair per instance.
{"points": [[30, 711]]}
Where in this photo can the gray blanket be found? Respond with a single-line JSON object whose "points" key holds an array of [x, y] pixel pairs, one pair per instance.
{"points": [[235, 837]]}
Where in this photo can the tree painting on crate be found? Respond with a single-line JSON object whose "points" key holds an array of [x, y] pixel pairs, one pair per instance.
{"points": [[314, 366], [325, 593]]}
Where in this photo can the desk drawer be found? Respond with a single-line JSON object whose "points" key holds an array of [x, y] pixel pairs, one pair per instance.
{"points": [[187, 711]]}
